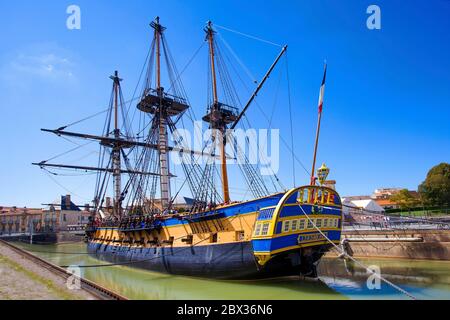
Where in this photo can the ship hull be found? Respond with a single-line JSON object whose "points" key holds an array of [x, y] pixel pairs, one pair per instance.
{"points": [[221, 261], [261, 238]]}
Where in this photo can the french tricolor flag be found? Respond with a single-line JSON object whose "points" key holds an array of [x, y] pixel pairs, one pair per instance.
{"points": [[322, 90]]}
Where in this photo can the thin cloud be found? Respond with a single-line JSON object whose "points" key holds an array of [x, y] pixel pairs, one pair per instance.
{"points": [[43, 62], [47, 66]]}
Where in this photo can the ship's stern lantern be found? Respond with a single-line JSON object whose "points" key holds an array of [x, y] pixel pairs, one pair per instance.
{"points": [[322, 173]]}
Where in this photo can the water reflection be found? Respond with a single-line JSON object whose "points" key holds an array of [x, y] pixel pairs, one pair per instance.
{"points": [[424, 279]]}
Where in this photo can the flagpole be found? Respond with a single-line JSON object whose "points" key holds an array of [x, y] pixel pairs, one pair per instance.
{"points": [[322, 92]]}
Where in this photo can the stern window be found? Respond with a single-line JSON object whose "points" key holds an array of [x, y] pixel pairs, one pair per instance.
{"points": [[301, 224], [319, 223], [286, 226], [336, 223], [265, 229], [294, 225], [258, 229]]}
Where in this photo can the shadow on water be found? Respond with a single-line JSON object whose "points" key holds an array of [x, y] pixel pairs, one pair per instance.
{"points": [[424, 279]]}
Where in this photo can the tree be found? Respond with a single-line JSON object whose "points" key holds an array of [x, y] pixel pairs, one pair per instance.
{"points": [[404, 199], [435, 190]]}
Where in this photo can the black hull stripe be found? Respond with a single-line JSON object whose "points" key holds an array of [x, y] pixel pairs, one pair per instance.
{"points": [[224, 261]]}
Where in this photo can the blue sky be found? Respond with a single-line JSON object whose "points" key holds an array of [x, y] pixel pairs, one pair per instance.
{"points": [[386, 113]]}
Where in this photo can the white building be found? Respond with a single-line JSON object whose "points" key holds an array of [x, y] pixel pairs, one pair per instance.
{"points": [[385, 193], [181, 202], [366, 206]]}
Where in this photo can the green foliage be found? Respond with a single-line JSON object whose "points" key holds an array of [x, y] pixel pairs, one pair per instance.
{"points": [[419, 211], [404, 199], [435, 190]]}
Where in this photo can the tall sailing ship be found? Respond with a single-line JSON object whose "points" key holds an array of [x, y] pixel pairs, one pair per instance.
{"points": [[274, 234]]}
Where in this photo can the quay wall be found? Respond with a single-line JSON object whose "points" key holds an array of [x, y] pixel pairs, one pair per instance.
{"points": [[45, 238], [434, 244], [69, 237], [41, 238]]}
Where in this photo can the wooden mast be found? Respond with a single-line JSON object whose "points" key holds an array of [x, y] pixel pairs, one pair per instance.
{"points": [[321, 96], [162, 116], [221, 126], [313, 176], [158, 53], [116, 161], [213, 65]]}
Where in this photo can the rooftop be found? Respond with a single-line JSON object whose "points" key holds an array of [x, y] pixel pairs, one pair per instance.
{"points": [[16, 210], [385, 202]]}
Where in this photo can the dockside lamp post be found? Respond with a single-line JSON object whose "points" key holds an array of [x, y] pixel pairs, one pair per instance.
{"points": [[322, 173]]}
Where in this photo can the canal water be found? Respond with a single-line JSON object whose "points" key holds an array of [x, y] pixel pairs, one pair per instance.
{"points": [[423, 279]]}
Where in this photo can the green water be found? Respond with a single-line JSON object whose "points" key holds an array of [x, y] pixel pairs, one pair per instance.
{"points": [[423, 279]]}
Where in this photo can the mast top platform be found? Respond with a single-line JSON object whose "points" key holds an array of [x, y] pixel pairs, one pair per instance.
{"points": [[156, 100], [221, 114]]}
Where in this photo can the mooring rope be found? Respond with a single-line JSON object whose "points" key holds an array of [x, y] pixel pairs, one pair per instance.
{"points": [[356, 261]]}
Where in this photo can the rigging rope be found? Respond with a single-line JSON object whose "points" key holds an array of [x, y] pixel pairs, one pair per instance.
{"points": [[250, 173], [69, 151], [246, 69], [187, 65], [290, 119], [249, 36], [270, 120], [137, 84], [82, 120], [50, 175]]}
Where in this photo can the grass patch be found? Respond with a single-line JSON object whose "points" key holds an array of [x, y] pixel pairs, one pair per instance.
{"points": [[422, 213], [57, 290]]}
